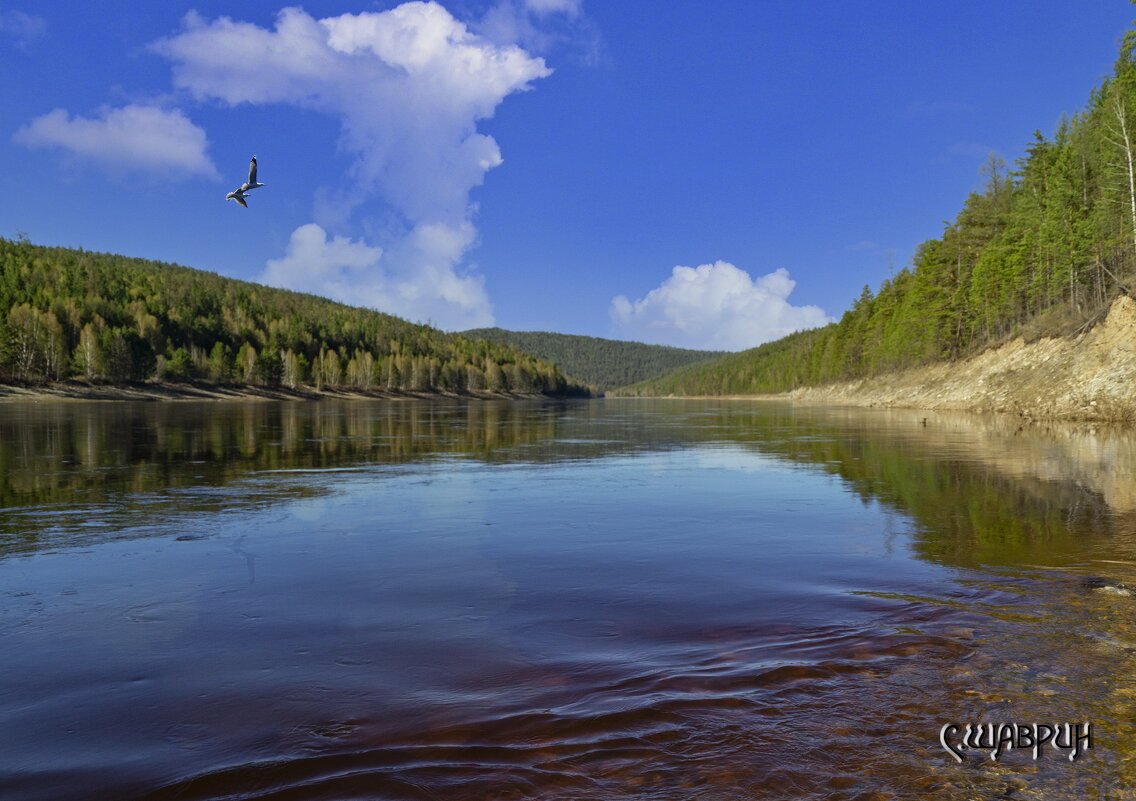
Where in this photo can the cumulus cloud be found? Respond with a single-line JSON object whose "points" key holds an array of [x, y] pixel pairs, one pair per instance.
{"points": [[542, 26], [715, 307], [313, 262], [133, 137], [408, 86], [356, 273]]}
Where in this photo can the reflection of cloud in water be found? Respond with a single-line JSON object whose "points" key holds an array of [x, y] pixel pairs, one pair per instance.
{"points": [[312, 510], [734, 458]]}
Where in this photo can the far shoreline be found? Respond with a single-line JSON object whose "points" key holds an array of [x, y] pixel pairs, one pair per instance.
{"points": [[1083, 377], [157, 391]]}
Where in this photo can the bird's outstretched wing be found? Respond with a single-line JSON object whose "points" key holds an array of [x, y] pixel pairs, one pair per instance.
{"points": [[251, 183], [238, 194]]}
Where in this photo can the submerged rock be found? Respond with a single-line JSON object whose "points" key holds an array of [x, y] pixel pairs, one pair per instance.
{"points": [[1107, 585]]}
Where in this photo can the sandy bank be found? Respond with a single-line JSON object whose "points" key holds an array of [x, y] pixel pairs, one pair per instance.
{"points": [[1091, 376]]}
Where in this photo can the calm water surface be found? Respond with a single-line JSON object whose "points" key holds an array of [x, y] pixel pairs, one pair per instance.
{"points": [[593, 600]]}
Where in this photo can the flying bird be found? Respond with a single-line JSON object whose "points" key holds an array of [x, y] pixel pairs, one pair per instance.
{"points": [[238, 194], [251, 182]]}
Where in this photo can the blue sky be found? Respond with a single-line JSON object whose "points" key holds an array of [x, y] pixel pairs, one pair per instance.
{"points": [[710, 175]]}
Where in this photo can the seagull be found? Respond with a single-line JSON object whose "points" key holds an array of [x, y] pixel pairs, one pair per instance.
{"points": [[251, 182], [238, 194]]}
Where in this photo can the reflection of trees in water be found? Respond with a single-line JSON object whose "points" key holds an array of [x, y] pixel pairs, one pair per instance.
{"points": [[978, 495], [56, 453], [86, 470], [978, 492], [67, 452], [966, 510], [996, 494]]}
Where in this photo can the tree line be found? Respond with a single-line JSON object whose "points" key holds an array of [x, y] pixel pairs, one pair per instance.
{"points": [[600, 363], [1044, 247], [67, 313]]}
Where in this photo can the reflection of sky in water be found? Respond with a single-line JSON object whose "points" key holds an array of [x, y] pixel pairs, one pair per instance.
{"points": [[800, 568], [727, 457]]}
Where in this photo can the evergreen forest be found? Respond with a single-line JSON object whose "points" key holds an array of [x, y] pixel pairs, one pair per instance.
{"points": [[1042, 248], [600, 363], [68, 313]]}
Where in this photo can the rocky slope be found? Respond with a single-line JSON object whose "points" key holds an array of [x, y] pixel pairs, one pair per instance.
{"points": [[1091, 376]]}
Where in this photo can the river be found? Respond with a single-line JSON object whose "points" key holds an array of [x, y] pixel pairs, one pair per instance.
{"points": [[607, 599]]}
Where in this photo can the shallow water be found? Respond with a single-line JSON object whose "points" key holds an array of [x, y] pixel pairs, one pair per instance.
{"points": [[605, 599]]}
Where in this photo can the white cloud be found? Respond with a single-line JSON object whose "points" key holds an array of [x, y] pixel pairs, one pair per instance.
{"points": [[541, 26], [314, 263], [715, 307], [24, 28], [569, 7], [360, 274], [133, 137], [409, 86]]}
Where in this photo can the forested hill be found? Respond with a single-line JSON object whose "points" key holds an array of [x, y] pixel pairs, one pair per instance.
{"points": [[70, 313], [602, 363], [1043, 247]]}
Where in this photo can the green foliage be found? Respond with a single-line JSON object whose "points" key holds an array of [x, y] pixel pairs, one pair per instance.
{"points": [[1055, 236], [178, 366], [601, 363], [67, 313]]}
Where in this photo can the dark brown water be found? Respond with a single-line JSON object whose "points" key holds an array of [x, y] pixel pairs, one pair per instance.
{"points": [[594, 600]]}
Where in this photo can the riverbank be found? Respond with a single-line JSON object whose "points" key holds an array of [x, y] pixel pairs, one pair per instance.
{"points": [[74, 390], [1090, 376]]}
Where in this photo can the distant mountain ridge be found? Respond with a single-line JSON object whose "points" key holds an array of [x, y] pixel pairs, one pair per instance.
{"points": [[601, 363]]}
